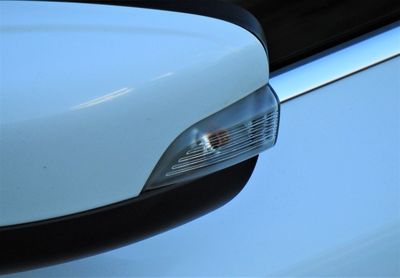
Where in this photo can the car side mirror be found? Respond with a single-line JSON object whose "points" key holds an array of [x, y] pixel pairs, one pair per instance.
{"points": [[120, 122]]}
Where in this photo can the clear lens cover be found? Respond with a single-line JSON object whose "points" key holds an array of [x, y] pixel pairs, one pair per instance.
{"points": [[230, 136]]}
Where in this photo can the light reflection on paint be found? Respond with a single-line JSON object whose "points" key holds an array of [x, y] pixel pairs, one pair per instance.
{"points": [[102, 99], [162, 76]]}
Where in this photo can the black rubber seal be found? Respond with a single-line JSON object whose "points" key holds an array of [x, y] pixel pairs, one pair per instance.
{"points": [[38, 244]]}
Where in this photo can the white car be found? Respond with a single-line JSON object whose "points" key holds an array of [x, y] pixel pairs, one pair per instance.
{"points": [[121, 120]]}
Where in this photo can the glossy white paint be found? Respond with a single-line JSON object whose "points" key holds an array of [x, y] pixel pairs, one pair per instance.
{"points": [[92, 95], [337, 63]]}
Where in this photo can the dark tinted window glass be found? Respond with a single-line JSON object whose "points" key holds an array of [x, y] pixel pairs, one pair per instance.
{"points": [[296, 29]]}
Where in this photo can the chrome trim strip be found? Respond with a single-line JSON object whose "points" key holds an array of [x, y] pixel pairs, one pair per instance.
{"points": [[342, 62]]}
